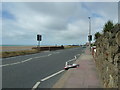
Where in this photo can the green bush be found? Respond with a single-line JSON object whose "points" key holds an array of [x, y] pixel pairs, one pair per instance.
{"points": [[97, 35], [108, 26]]}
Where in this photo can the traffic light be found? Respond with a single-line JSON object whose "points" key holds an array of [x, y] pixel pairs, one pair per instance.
{"points": [[90, 38], [39, 37]]}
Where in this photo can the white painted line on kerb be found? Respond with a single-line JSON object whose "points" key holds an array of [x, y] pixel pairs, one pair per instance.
{"points": [[36, 85], [51, 75], [75, 57]]}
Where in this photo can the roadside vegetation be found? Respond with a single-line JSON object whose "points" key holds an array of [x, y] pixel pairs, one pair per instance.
{"points": [[107, 28], [70, 46], [17, 53]]}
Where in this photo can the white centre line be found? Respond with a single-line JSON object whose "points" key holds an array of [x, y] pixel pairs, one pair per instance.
{"points": [[24, 61], [44, 56], [16, 62], [49, 54]]}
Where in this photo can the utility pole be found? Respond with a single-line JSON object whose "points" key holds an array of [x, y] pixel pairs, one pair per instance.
{"points": [[89, 36]]}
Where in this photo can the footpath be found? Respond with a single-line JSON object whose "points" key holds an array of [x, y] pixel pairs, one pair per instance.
{"points": [[84, 76]]}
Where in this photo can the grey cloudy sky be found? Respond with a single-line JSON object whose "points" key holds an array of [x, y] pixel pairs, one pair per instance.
{"points": [[58, 22]]}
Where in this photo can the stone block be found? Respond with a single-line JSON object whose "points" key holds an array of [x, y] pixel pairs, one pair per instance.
{"points": [[111, 81], [118, 38], [117, 59]]}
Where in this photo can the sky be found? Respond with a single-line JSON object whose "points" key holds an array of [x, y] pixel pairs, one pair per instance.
{"points": [[59, 23]]}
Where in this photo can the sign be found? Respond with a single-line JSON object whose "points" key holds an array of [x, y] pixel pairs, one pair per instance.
{"points": [[90, 38], [39, 37]]}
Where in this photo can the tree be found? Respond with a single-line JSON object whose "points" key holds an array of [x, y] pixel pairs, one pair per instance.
{"points": [[108, 26], [97, 35]]}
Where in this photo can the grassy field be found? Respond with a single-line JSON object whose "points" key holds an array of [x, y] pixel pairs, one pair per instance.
{"points": [[15, 48]]}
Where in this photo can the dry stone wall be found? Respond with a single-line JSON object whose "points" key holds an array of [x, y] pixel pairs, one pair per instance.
{"points": [[108, 57]]}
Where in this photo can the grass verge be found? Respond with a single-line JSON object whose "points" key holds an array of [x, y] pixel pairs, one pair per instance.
{"points": [[17, 53], [67, 47]]}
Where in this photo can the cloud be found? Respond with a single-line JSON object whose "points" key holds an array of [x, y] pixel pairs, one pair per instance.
{"points": [[108, 10], [58, 22]]}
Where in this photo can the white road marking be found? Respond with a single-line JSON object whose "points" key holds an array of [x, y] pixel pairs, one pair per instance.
{"points": [[36, 85], [75, 57], [44, 79], [16, 62], [36, 57], [78, 54], [52, 75], [4, 65], [49, 54], [24, 61], [66, 63], [44, 56], [55, 52]]}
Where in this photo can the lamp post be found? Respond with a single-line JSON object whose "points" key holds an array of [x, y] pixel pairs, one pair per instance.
{"points": [[89, 36]]}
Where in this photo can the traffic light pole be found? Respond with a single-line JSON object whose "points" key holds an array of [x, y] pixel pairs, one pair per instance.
{"points": [[89, 32], [39, 38], [39, 45]]}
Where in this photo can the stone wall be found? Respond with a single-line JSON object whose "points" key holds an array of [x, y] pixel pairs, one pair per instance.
{"points": [[107, 57]]}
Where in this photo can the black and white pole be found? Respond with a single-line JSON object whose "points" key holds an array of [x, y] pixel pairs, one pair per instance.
{"points": [[39, 38]]}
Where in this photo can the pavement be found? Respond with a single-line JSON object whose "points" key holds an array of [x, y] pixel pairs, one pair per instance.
{"points": [[84, 76]]}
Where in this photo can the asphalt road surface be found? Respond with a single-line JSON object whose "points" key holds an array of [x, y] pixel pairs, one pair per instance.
{"points": [[39, 70]]}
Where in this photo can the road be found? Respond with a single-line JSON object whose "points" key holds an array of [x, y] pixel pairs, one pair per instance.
{"points": [[40, 70]]}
